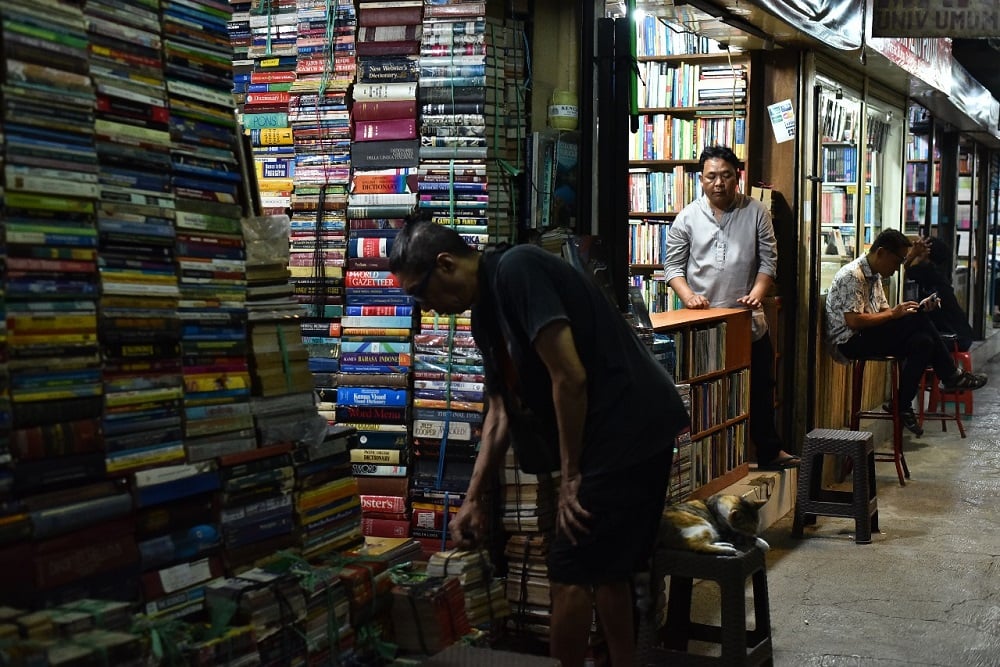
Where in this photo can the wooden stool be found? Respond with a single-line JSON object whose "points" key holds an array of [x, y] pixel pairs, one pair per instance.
{"points": [[860, 503], [739, 646], [857, 414]]}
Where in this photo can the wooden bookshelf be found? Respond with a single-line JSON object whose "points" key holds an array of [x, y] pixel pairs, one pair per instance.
{"points": [[717, 441], [691, 94]]}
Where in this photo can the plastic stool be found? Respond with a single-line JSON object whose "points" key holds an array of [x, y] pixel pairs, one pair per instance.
{"points": [[857, 414], [960, 397], [739, 646], [860, 503], [941, 397]]}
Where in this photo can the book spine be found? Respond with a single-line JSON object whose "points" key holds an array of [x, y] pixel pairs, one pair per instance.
{"points": [[389, 504]]}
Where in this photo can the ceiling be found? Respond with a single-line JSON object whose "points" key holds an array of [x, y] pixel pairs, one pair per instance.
{"points": [[979, 57]]}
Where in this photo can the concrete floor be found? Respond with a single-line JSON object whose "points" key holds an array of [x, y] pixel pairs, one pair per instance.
{"points": [[926, 591]]}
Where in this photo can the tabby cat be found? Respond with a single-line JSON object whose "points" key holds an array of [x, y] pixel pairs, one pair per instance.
{"points": [[722, 524]]}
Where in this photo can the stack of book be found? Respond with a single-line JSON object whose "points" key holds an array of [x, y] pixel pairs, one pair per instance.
{"points": [[320, 120], [264, 37], [140, 330], [50, 183], [326, 498], [506, 123], [326, 628], [448, 408], [428, 614], [177, 535], [75, 634], [529, 505], [452, 99], [389, 550], [485, 602], [271, 603], [327, 507], [210, 253], [256, 507], [368, 586], [69, 542], [269, 293]]}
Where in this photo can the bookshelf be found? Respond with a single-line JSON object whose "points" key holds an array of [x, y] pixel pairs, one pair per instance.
{"points": [[713, 357], [967, 215], [922, 176], [691, 93], [839, 123]]}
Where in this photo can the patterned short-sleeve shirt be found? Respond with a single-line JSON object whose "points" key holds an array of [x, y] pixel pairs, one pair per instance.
{"points": [[855, 289]]}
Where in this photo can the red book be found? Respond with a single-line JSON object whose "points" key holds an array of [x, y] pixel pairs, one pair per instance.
{"points": [[384, 109], [393, 504], [272, 77], [407, 15], [383, 486], [385, 130], [384, 527], [96, 549]]}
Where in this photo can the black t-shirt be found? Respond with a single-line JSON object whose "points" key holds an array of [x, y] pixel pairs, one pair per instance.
{"points": [[633, 409], [949, 316]]}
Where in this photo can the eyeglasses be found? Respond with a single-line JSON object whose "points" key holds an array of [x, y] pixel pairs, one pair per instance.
{"points": [[417, 291]]}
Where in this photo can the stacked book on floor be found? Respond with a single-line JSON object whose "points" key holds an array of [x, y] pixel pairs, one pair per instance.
{"points": [[140, 330], [529, 507], [485, 602], [376, 348], [210, 252], [447, 423], [428, 614], [55, 545]]}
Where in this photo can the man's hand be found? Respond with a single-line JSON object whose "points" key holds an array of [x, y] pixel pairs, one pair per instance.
{"points": [[905, 308], [749, 301], [571, 516], [696, 302], [469, 525]]}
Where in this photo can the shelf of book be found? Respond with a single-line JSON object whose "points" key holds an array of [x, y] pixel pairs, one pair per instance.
{"points": [[692, 93], [713, 363]]}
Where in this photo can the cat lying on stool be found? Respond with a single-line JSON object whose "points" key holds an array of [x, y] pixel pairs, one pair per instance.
{"points": [[722, 525]]}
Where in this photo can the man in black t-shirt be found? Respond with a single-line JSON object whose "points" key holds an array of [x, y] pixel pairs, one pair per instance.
{"points": [[554, 347]]}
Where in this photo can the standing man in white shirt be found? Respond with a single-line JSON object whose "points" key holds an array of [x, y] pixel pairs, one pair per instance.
{"points": [[721, 253]]}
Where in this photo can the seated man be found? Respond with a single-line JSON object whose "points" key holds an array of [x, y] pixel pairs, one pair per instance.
{"points": [[860, 323]]}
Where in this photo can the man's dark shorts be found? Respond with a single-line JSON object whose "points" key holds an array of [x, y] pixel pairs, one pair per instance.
{"points": [[625, 508]]}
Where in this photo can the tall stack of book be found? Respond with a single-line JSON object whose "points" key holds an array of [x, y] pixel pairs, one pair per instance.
{"points": [[320, 120], [528, 516], [452, 98], [506, 123], [210, 253], [447, 423], [376, 348], [177, 536], [140, 330], [262, 82], [328, 510], [51, 286]]}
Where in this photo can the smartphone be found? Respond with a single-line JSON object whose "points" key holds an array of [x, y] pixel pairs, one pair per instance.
{"points": [[923, 304]]}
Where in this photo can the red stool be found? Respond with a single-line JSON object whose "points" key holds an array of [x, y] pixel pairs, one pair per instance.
{"points": [[857, 414], [963, 360], [942, 396]]}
